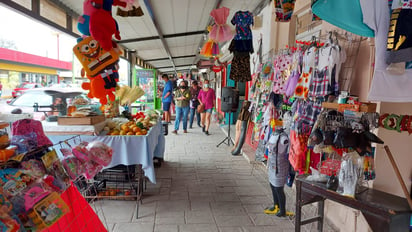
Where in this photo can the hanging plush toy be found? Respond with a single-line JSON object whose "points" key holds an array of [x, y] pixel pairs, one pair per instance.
{"points": [[93, 57], [102, 25], [97, 90]]}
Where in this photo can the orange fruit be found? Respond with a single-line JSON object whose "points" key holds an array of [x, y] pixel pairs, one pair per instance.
{"points": [[136, 129], [144, 132], [138, 133], [115, 133], [130, 133], [122, 132]]}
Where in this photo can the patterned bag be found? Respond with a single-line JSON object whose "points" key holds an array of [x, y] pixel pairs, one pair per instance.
{"points": [[26, 126], [297, 151]]}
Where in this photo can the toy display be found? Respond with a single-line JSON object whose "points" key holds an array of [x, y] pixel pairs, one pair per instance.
{"points": [[33, 178]]}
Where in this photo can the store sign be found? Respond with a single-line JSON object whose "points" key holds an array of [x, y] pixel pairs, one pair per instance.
{"points": [[396, 122], [216, 68]]}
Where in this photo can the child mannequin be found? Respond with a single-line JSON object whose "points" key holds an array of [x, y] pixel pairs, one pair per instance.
{"points": [[278, 168]]}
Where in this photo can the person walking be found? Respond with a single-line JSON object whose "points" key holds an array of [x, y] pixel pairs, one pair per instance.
{"points": [[207, 99], [182, 99], [167, 97], [194, 92]]}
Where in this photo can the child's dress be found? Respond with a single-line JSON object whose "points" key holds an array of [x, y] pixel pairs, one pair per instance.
{"points": [[220, 32]]}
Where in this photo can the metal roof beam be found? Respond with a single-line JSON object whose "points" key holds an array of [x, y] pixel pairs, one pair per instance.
{"points": [[159, 32], [182, 65], [166, 58], [164, 36]]}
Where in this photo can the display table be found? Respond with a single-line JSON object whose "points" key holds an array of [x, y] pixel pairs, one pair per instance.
{"points": [[127, 150], [52, 128], [383, 211]]}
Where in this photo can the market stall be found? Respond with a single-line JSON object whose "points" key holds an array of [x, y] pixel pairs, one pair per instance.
{"points": [[128, 150]]}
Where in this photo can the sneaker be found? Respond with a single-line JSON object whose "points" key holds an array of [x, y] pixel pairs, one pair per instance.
{"points": [[272, 210], [190, 127], [185, 131], [207, 132], [279, 214], [203, 128], [174, 132]]}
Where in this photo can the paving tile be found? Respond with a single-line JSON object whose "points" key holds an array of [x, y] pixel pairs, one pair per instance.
{"points": [[232, 220], [198, 228], [230, 229], [199, 217], [166, 228], [116, 211], [134, 227], [262, 219], [222, 196], [172, 206], [200, 206], [254, 208], [170, 218]]}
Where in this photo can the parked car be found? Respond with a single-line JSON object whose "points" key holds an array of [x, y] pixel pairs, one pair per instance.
{"points": [[45, 98], [24, 86]]}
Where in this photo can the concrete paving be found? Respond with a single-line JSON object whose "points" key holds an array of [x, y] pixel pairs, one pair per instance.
{"points": [[201, 187]]}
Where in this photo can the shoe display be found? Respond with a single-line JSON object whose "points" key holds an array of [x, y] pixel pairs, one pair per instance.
{"points": [[272, 210]]}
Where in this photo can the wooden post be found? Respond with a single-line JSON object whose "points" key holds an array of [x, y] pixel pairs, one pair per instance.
{"points": [[398, 175]]}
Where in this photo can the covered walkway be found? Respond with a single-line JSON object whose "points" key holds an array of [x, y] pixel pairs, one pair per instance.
{"points": [[202, 188]]}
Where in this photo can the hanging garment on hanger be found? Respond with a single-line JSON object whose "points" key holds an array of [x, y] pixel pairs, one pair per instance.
{"points": [[220, 31], [284, 10], [240, 67], [309, 61], [399, 47], [343, 14], [385, 86]]}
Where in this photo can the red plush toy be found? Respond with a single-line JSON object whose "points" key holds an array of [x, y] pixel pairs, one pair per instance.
{"points": [[102, 25], [97, 90]]}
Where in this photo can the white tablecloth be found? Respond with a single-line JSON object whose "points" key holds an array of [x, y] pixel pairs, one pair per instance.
{"points": [[129, 150], [52, 128]]}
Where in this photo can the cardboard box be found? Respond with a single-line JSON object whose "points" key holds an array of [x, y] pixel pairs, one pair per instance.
{"points": [[80, 120], [362, 107]]}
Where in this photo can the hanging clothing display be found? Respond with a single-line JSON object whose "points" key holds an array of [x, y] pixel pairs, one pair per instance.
{"points": [[399, 43], [210, 48], [220, 32], [241, 46], [284, 10], [385, 86], [344, 14]]}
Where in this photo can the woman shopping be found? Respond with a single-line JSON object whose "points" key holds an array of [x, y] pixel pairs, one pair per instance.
{"points": [[182, 98], [207, 101]]}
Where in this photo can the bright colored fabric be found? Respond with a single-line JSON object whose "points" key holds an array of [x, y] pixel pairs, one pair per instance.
{"points": [[220, 32], [207, 98], [243, 20], [81, 217], [343, 14]]}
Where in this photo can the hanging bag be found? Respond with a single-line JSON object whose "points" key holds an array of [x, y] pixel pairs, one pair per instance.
{"points": [[27, 126]]}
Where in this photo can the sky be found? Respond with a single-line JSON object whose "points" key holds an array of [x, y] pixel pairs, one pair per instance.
{"points": [[33, 37]]}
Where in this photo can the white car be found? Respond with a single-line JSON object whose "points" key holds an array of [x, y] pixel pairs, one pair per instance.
{"points": [[42, 101]]}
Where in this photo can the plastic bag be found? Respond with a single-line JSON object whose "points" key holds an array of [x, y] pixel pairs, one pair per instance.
{"points": [[100, 152], [351, 166]]}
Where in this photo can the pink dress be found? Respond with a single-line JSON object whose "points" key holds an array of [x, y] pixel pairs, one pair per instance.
{"points": [[220, 32]]}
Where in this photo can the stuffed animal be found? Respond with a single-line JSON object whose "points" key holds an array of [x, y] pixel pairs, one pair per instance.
{"points": [[102, 25], [97, 90], [84, 20], [93, 57]]}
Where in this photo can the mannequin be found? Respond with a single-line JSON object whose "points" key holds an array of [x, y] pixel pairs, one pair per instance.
{"points": [[241, 127]]}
